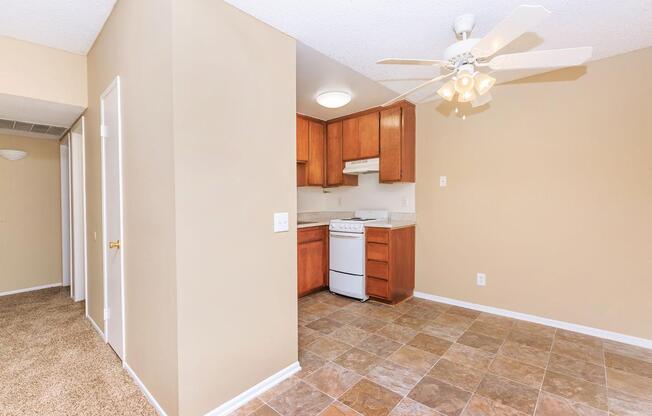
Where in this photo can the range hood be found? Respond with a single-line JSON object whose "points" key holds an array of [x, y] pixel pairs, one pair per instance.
{"points": [[358, 167]]}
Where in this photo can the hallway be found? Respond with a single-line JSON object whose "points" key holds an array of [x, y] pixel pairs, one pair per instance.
{"points": [[55, 363]]}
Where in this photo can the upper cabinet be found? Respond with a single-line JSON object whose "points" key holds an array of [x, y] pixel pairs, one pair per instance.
{"points": [[310, 151], [334, 161], [398, 144], [303, 132], [360, 137]]}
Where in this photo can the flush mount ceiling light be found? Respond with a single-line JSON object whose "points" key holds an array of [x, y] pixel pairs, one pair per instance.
{"points": [[334, 99], [11, 154]]}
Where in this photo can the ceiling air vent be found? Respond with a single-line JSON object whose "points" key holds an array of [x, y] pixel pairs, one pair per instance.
{"points": [[20, 126]]}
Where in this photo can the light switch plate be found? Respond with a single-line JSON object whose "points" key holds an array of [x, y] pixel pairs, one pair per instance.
{"points": [[481, 279], [443, 181], [281, 222]]}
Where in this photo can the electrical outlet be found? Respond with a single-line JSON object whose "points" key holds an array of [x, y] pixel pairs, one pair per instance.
{"points": [[281, 222], [443, 181], [481, 279]]}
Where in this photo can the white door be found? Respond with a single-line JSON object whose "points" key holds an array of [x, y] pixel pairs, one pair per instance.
{"points": [[65, 215], [112, 217]]}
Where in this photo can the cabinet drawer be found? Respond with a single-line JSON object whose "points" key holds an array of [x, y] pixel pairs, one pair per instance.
{"points": [[377, 235], [377, 288], [379, 252], [310, 234], [377, 269]]}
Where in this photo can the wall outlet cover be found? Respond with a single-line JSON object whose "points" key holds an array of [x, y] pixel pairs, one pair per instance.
{"points": [[443, 181], [481, 279]]}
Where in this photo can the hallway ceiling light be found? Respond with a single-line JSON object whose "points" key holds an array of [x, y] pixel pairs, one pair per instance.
{"points": [[334, 99], [11, 154]]}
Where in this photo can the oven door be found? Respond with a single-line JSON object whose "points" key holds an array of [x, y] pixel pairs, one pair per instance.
{"points": [[347, 253]]}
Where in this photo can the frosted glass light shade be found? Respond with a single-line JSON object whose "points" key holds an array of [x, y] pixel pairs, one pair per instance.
{"points": [[483, 83], [11, 154], [333, 99], [464, 82], [447, 91], [467, 96]]}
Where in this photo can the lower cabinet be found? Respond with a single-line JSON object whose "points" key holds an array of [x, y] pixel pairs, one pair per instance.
{"points": [[312, 259], [389, 265]]}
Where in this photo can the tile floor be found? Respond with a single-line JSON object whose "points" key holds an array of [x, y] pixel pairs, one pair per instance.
{"points": [[423, 358], [52, 362]]}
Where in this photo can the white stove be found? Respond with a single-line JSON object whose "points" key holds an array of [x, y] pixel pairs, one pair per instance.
{"points": [[347, 253]]}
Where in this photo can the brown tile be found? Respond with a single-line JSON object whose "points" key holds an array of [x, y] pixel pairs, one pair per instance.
{"points": [[629, 383], [384, 313], [621, 404], [409, 407], [333, 379], [577, 368], [357, 360], [433, 345], [411, 322], [467, 313], [481, 342], [306, 318], [628, 364], [309, 362], [495, 320], [486, 328], [339, 409], [517, 371], [509, 393], [414, 358], [466, 378], [343, 316], [349, 334], [533, 328], [578, 338], [424, 312], [440, 396], [370, 399], [468, 356], [379, 345], [454, 321], [525, 353], [369, 324], [336, 300], [442, 331], [248, 408], [319, 309], [578, 351], [550, 405], [300, 400], [398, 333], [264, 410], [481, 406], [280, 388], [541, 341], [575, 389], [328, 348], [324, 325], [309, 338], [394, 377], [631, 351]]}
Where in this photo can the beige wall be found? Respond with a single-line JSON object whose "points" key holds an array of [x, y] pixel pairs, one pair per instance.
{"points": [[549, 193], [30, 215], [234, 106], [35, 71], [136, 45]]}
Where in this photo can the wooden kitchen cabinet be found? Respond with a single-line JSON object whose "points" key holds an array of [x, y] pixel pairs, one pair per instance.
{"points": [[303, 133], [334, 161], [398, 144], [390, 263], [361, 137], [312, 259], [310, 146]]}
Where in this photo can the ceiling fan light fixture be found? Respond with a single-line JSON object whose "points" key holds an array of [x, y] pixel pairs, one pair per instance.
{"points": [[464, 82], [334, 99], [467, 96], [483, 83], [447, 91]]}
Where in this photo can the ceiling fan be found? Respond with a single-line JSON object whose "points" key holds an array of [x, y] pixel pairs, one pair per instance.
{"points": [[468, 58]]}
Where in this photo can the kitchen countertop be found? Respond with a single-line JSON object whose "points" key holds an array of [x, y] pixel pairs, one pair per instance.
{"points": [[392, 224], [308, 224]]}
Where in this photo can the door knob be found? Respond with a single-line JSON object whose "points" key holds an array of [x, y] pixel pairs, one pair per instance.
{"points": [[114, 244]]}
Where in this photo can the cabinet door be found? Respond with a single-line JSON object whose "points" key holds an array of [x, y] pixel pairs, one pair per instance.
{"points": [[303, 127], [316, 154], [369, 134], [334, 163], [390, 145], [310, 266], [350, 139]]}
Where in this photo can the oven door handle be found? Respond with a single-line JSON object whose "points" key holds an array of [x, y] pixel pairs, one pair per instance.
{"points": [[347, 235]]}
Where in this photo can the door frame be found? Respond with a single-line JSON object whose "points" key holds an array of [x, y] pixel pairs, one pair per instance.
{"points": [[115, 84]]}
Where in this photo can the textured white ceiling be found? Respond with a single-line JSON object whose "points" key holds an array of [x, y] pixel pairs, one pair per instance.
{"points": [[359, 32], [71, 25], [35, 111]]}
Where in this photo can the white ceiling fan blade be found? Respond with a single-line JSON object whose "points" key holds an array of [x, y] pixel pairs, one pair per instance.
{"points": [[425, 84], [553, 58], [481, 100], [399, 61], [520, 21]]}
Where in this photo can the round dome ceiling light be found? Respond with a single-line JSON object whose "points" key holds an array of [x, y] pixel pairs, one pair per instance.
{"points": [[334, 99], [11, 154]]}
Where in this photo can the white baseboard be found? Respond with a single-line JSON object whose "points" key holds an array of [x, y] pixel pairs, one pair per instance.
{"points": [[146, 392], [96, 326], [256, 390], [601, 333], [29, 289]]}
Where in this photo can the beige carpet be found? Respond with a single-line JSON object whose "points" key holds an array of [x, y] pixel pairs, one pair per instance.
{"points": [[52, 362]]}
